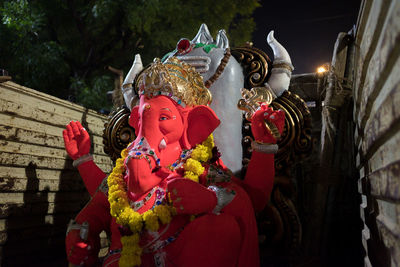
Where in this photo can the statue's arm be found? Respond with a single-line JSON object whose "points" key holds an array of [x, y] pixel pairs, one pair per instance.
{"points": [[77, 144], [82, 240], [267, 126]]}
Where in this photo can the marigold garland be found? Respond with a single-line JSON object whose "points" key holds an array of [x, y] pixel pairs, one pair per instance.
{"points": [[120, 207], [202, 153]]}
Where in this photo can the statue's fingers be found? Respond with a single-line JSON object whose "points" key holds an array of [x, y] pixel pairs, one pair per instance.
{"points": [[277, 116], [66, 137], [75, 128], [84, 133], [281, 113], [70, 132], [79, 125], [82, 130], [269, 109]]}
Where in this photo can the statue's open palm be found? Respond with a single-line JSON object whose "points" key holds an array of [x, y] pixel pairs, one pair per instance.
{"points": [[76, 140], [263, 120]]}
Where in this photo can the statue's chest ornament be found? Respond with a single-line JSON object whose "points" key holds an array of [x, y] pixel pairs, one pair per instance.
{"points": [[186, 153], [159, 198]]}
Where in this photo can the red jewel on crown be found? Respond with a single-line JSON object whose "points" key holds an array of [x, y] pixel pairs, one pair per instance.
{"points": [[184, 46]]}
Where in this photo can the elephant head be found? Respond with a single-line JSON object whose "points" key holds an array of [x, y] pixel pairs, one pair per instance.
{"points": [[172, 116]]}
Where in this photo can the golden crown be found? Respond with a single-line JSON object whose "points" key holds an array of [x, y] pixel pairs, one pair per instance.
{"points": [[175, 79]]}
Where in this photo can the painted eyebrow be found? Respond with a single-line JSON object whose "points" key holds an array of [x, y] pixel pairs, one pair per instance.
{"points": [[166, 109]]}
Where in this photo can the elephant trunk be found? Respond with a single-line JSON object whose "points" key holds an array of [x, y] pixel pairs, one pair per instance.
{"points": [[141, 176], [281, 68], [127, 87]]}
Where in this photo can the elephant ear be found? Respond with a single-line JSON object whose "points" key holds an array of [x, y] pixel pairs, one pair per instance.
{"points": [[134, 118], [200, 123]]}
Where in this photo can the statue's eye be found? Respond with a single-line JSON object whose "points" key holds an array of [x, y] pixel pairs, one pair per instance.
{"points": [[163, 118]]}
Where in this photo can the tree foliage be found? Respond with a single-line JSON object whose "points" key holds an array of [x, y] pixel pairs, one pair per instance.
{"points": [[62, 47]]}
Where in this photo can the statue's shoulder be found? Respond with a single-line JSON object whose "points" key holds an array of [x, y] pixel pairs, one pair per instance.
{"points": [[217, 174], [103, 187]]}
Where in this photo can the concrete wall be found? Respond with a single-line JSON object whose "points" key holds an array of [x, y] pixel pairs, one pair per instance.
{"points": [[40, 191], [377, 137]]}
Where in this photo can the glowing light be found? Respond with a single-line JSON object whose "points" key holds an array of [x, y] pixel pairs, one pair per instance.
{"points": [[321, 69]]}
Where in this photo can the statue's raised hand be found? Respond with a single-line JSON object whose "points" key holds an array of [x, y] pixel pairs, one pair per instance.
{"points": [[267, 124], [76, 140]]}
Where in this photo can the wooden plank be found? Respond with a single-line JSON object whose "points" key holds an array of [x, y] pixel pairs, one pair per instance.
{"points": [[384, 123], [26, 124], [386, 154], [41, 99], [47, 123], [21, 129], [65, 183], [41, 151], [382, 63], [22, 210], [367, 41], [23, 160], [385, 182], [44, 252], [390, 235], [3, 224], [36, 232], [30, 244], [28, 136], [363, 14], [389, 215], [22, 148], [43, 110], [36, 197], [14, 179], [34, 221], [13, 159]]}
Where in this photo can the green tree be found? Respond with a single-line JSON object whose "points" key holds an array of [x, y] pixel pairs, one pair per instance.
{"points": [[62, 46]]}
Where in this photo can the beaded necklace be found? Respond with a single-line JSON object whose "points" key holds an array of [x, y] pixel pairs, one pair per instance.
{"points": [[160, 195]]}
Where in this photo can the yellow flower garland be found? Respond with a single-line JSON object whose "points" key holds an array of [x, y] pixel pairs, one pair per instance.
{"points": [[126, 216], [202, 153]]}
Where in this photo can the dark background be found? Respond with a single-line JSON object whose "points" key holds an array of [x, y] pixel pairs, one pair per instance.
{"points": [[307, 29]]}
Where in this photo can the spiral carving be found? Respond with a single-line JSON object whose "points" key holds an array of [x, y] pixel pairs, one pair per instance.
{"points": [[255, 63], [117, 133], [296, 141]]}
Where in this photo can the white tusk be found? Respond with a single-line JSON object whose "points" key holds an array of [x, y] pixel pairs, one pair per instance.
{"points": [[127, 88], [162, 144], [281, 68]]}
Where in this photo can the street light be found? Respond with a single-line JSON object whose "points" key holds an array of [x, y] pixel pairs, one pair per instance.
{"points": [[322, 69]]}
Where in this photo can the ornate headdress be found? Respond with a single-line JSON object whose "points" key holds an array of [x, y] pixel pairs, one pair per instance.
{"points": [[175, 79]]}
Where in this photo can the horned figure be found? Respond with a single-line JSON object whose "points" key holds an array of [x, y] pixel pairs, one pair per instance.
{"points": [[224, 76], [170, 200]]}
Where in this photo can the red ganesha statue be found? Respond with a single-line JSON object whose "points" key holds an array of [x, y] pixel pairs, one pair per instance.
{"points": [[170, 201]]}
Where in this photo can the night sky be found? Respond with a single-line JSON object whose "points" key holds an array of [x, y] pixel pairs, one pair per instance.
{"points": [[307, 29]]}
